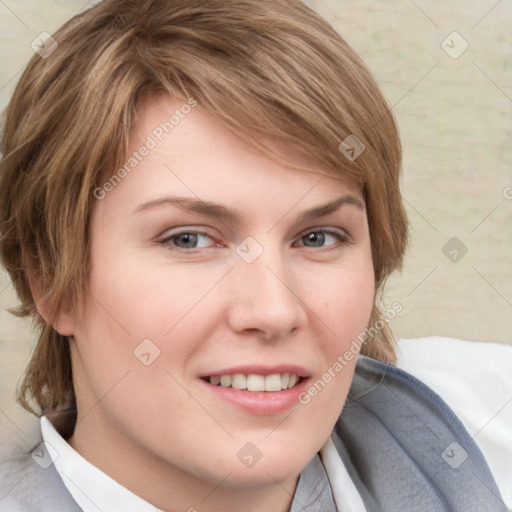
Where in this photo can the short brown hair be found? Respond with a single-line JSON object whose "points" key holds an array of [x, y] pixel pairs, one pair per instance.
{"points": [[264, 68]]}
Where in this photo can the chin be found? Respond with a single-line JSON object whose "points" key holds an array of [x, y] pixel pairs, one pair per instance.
{"points": [[263, 474], [253, 465]]}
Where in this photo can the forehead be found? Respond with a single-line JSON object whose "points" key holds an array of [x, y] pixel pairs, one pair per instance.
{"points": [[183, 129], [178, 148]]}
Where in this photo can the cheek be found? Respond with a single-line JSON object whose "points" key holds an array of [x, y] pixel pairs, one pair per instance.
{"points": [[344, 311], [344, 301], [147, 300], [159, 316], [353, 303]]}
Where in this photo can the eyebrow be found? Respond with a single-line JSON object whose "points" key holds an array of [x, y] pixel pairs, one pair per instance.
{"points": [[221, 212], [193, 205], [332, 206]]}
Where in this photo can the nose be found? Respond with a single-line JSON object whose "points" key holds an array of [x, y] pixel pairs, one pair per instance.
{"points": [[265, 299]]}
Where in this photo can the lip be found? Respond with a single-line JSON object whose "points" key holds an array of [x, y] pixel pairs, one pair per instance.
{"points": [[261, 403]]}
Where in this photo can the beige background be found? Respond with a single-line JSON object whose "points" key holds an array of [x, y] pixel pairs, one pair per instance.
{"points": [[455, 116]]}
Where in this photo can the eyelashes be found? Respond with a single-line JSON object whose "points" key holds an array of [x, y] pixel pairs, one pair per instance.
{"points": [[188, 240], [317, 236]]}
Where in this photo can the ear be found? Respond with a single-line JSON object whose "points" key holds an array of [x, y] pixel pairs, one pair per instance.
{"points": [[63, 322]]}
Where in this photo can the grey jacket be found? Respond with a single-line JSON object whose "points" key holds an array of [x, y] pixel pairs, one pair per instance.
{"points": [[404, 448]]}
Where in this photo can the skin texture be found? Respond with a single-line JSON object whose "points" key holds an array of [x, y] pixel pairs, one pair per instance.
{"points": [[158, 429]]}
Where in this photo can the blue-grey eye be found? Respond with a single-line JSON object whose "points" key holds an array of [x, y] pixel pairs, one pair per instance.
{"points": [[314, 239], [321, 238], [188, 240]]}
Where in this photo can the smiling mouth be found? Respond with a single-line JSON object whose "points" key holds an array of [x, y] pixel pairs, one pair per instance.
{"points": [[253, 382]]}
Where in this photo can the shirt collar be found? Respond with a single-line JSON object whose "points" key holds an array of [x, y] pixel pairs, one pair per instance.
{"points": [[313, 493], [92, 489]]}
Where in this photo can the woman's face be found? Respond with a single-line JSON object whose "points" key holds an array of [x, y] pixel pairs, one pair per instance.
{"points": [[210, 262]]}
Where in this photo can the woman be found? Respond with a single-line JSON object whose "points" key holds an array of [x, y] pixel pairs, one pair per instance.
{"points": [[199, 204]]}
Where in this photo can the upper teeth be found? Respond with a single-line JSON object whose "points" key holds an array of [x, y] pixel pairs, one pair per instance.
{"points": [[254, 382]]}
